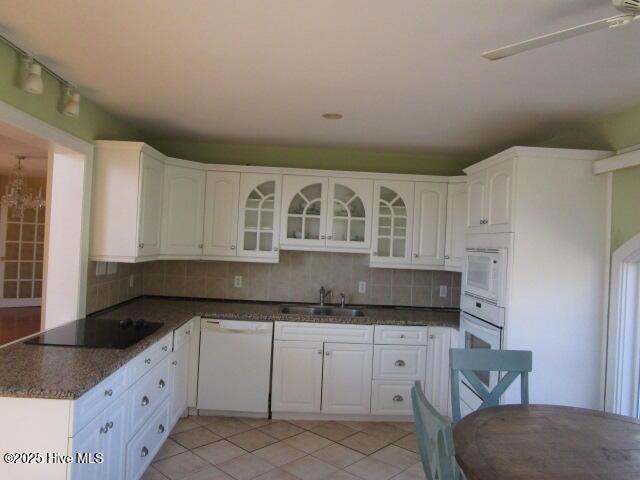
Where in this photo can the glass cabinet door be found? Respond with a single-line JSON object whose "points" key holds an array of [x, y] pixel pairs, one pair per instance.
{"points": [[393, 222], [259, 222], [304, 201], [349, 213]]}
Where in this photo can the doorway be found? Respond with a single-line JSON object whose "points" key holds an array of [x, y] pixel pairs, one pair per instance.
{"points": [[622, 392]]}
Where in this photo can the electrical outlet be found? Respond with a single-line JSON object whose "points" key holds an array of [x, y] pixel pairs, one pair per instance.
{"points": [[362, 286], [237, 281], [112, 267], [101, 268], [443, 291], [131, 279]]}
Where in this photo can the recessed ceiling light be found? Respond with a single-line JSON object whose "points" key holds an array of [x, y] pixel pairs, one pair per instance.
{"points": [[332, 116]]}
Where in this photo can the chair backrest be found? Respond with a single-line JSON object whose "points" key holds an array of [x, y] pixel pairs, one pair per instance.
{"points": [[435, 439], [468, 361]]}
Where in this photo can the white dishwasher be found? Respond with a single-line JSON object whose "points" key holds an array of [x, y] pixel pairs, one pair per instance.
{"points": [[235, 366]]}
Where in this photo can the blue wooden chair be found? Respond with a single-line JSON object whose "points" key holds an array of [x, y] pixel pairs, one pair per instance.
{"points": [[435, 439], [467, 361]]}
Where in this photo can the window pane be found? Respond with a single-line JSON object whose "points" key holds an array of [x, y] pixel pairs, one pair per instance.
{"points": [[398, 247], [312, 228], [12, 251], [387, 194], [340, 226], [26, 290], [26, 251], [10, 289], [266, 242], [266, 220], [357, 208], [13, 232], [250, 240], [384, 249], [339, 210], [313, 191], [26, 270], [294, 227], [357, 231], [250, 219], [10, 270], [314, 208], [29, 215], [267, 188], [297, 205]]}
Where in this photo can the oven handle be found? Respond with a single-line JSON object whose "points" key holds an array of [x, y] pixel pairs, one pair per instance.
{"points": [[482, 327]]}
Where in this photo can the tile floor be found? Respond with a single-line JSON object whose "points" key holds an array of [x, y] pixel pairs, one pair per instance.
{"points": [[226, 448]]}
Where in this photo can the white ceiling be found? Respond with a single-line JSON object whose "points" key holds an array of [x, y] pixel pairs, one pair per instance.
{"points": [[406, 74]]}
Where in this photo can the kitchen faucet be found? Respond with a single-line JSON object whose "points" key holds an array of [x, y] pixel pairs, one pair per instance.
{"points": [[343, 300], [323, 295]]}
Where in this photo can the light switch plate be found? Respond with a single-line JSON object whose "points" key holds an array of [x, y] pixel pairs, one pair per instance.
{"points": [[112, 267], [443, 291], [362, 286], [237, 281], [101, 268]]}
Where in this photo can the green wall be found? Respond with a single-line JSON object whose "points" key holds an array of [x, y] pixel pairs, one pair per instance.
{"points": [[94, 122], [308, 157], [626, 206]]}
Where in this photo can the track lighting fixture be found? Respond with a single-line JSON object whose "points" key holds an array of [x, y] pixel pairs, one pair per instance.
{"points": [[32, 77], [71, 106]]}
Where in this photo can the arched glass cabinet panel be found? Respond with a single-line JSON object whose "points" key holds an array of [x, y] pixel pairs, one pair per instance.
{"points": [[260, 200], [393, 222], [349, 223]]}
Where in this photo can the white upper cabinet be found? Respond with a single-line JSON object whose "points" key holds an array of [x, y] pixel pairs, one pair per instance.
{"points": [[456, 224], [304, 205], [259, 218], [127, 202], [392, 222], [490, 198], [429, 225], [183, 211], [349, 213], [326, 213], [221, 214]]}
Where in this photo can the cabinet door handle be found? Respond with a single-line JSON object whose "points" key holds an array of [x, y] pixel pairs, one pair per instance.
{"points": [[375, 254], [200, 246], [322, 237], [233, 247], [275, 249], [108, 393], [398, 398], [161, 428], [161, 384], [432, 336], [326, 354], [329, 237], [319, 352], [400, 363], [188, 332], [147, 361], [402, 335], [145, 401], [175, 362], [165, 348], [141, 245], [109, 425], [415, 255], [447, 257], [144, 452], [103, 430]]}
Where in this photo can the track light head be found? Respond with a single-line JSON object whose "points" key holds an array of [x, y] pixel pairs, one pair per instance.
{"points": [[71, 107], [32, 77]]}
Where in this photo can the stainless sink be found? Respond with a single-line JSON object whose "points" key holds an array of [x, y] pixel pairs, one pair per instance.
{"points": [[321, 310]]}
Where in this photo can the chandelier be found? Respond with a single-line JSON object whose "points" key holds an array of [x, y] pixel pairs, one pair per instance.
{"points": [[18, 196]]}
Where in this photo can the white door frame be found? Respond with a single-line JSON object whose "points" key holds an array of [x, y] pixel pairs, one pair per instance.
{"points": [[66, 253], [622, 392]]}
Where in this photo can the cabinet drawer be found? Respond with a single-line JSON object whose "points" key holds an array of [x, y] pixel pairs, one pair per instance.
{"points": [[183, 334], [145, 444], [399, 362], [149, 392], [324, 332], [392, 335], [98, 398], [149, 358], [391, 398]]}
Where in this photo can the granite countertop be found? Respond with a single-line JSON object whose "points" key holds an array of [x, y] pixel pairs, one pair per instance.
{"points": [[34, 371]]}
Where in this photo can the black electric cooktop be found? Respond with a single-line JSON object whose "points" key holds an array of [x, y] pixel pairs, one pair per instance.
{"points": [[97, 333]]}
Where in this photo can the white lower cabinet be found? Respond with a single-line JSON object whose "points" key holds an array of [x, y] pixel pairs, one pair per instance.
{"points": [[391, 397], [146, 443], [437, 385], [346, 378], [297, 376], [399, 362], [106, 434], [148, 393], [179, 373]]}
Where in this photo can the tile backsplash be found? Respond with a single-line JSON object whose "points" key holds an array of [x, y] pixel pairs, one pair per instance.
{"points": [[110, 289], [297, 278]]}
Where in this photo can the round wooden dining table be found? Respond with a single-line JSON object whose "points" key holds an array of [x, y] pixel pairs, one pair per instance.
{"points": [[522, 442]]}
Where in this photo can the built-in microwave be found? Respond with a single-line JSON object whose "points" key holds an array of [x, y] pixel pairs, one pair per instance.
{"points": [[485, 274]]}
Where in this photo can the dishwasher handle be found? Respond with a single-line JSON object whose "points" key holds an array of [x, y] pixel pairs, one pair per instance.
{"points": [[236, 326]]}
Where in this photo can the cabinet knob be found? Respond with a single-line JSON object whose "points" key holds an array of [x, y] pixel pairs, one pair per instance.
{"points": [[108, 393], [329, 237], [144, 452], [415, 255], [322, 237], [175, 362], [109, 425], [326, 354], [375, 254], [402, 335], [161, 428], [400, 363], [233, 247], [165, 348], [200, 245], [188, 332], [275, 249], [145, 401], [103, 430], [141, 245], [398, 398], [161, 384], [147, 361]]}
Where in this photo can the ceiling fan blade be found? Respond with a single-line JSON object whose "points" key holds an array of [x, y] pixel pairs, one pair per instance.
{"points": [[537, 42]]}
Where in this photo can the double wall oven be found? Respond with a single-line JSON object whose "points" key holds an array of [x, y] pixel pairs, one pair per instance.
{"points": [[482, 317]]}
